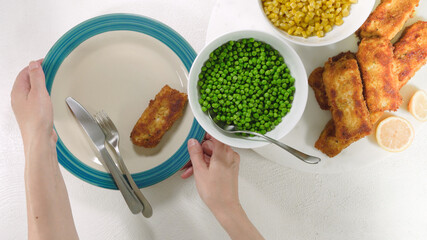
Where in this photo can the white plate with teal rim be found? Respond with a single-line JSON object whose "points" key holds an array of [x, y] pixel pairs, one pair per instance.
{"points": [[117, 63]]}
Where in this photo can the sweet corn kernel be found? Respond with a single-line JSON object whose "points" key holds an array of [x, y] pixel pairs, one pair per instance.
{"points": [[345, 13], [291, 30], [307, 17]]}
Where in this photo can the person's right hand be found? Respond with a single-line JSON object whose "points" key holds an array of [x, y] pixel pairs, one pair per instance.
{"points": [[32, 105], [216, 169]]}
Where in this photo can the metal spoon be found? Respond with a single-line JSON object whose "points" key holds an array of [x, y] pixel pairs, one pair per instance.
{"points": [[233, 129]]}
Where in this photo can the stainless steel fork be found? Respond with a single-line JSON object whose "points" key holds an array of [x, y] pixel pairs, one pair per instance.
{"points": [[112, 137]]}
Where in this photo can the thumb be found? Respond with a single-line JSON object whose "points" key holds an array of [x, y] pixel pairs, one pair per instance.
{"points": [[196, 155], [37, 78]]}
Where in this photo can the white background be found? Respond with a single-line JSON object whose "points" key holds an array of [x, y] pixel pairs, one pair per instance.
{"points": [[386, 200]]}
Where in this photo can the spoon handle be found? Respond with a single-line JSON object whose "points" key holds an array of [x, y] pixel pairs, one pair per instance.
{"points": [[302, 156]]}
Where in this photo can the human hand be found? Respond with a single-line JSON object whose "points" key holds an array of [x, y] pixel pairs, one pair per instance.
{"points": [[188, 168], [48, 207], [32, 105], [216, 168]]}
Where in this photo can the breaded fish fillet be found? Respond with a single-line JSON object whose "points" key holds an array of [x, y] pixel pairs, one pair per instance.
{"points": [[388, 18], [315, 80], [328, 143], [319, 90], [343, 86], [410, 52], [381, 90], [158, 117]]}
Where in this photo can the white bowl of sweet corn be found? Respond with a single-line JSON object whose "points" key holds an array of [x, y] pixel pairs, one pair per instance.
{"points": [[316, 22]]}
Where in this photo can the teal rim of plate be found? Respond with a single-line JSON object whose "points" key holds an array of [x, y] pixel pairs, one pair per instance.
{"points": [[120, 22]]}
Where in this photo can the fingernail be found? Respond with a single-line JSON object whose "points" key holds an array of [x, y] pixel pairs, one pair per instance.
{"points": [[187, 171], [33, 65], [192, 142]]}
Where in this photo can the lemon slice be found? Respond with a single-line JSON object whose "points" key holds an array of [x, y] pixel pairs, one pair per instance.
{"points": [[418, 105], [394, 134]]}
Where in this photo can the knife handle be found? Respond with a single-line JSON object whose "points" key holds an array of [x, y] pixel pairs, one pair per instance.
{"points": [[148, 210], [131, 199]]}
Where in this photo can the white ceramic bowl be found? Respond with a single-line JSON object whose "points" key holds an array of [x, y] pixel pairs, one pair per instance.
{"points": [[294, 64], [359, 12]]}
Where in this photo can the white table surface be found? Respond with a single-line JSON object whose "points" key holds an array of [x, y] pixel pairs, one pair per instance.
{"points": [[386, 200]]}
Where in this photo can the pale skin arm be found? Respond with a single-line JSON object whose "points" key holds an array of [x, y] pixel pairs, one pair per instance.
{"points": [[48, 207], [216, 169]]}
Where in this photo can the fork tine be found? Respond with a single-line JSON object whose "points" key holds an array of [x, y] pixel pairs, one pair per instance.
{"points": [[106, 124], [102, 118], [97, 118], [101, 122], [108, 121]]}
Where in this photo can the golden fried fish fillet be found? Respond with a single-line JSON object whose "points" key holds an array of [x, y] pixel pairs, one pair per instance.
{"points": [[410, 52], [315, 80], [328, 143], [381, 90], [388, 18], [158, 117], [343, 86]]}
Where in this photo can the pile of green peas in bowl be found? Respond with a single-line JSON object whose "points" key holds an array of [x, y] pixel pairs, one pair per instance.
{"points": [[252, 80], [246, 83]]}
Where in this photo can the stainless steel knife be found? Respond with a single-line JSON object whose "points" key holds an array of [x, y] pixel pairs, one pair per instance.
{"points": [[98, 138]]}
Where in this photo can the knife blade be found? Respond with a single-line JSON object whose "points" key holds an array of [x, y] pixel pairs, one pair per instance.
{"points": [[95, 133]]}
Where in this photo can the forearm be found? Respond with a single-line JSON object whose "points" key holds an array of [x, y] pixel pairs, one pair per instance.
{"points": [[48, 207], [237, 224]]}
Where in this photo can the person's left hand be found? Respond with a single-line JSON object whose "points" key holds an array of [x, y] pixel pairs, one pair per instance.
{"points": [[207, 150], [32, 105]]}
